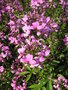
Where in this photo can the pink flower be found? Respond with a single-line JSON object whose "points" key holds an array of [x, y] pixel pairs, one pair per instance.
{"points": [[47, 19], [60, 79], [23, 60], [25, 18], [36, 2], [54, 25], [66, 40], [21, 50], [65, 80], [8, 8], [42, 59], [35, 65], [13, 40], [41, 26], [3, 55], [38, 33], [28, 42], [35, 25], [47, 52], [13, 85], [11, 23], [29, 58], [26, 30], [1, 69], [56, 86], [1, 44], [50, 0], [40, 1], [32, 62]]}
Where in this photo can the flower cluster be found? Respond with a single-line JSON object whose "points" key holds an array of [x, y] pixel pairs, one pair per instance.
{"points": [[65, 5], [9, 7], [5, 52], [60, 82], [1, 69], [23, 37], [28, 34], [66, 40], [17, 84]]}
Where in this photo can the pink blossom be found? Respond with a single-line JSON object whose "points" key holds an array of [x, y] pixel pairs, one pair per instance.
{"points": [[35, 25], [32, 62], [40, 27], [8, 8], [23, 60], [1, 69], [47, 19], [50, 0], [36, 2], [60, 78], [28, 42], [54, 25], [38, 33], [66, 40], [21, 50], [3, 55], [56, 86], [25, 18], [11, 23], [29, 58], [42, 59], [13, 40], [47, 52], [26, 30]]}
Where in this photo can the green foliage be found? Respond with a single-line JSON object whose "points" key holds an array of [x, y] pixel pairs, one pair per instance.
{"points": [[40, 85]]}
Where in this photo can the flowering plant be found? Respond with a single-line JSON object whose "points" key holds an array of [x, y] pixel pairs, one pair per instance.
{"points": [[33, 44]]}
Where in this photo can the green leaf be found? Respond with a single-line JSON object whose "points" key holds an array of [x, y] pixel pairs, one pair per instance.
{"points": [[41, 73], [39, 85], [24, 72], [28, 77], [60, 88], [28, 68], [49, 85], [42, 82], [39, 89], [34, 86], [56, 61], [43, 88]]}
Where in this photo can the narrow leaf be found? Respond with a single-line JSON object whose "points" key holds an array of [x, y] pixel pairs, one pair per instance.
{"points": [[24, 73], [43, 88], [49, 85], [28, 77], [34, 86]]}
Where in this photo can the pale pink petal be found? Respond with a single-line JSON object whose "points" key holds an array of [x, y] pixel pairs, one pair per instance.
{"points": [[47, 52], [42, 59], [29, 57], [32, 62]]}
